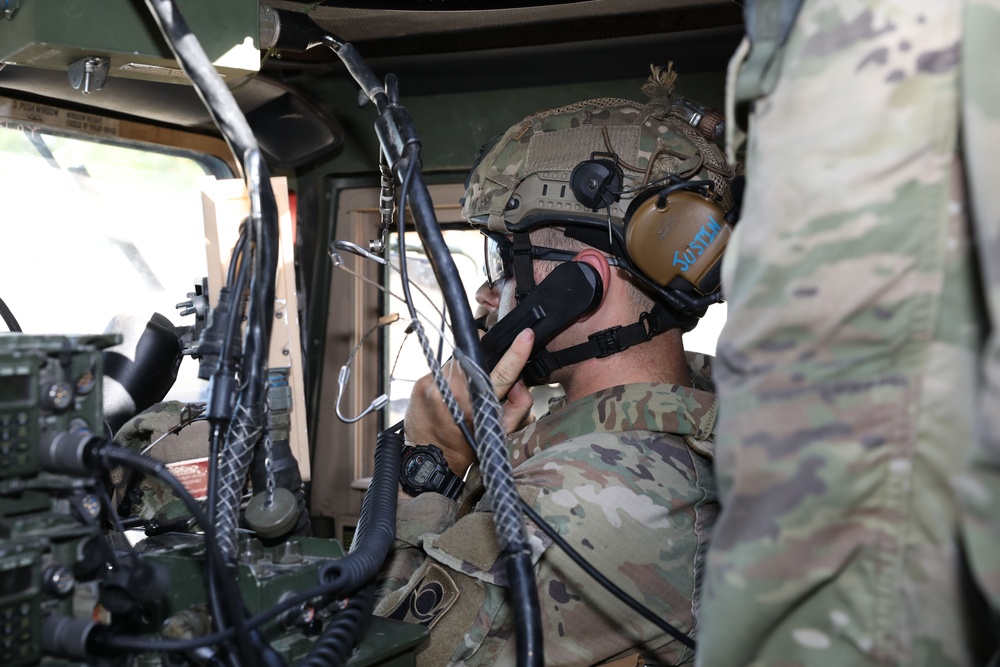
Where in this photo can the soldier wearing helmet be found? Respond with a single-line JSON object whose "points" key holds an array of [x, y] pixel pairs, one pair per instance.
{"points": [[622, 466]]}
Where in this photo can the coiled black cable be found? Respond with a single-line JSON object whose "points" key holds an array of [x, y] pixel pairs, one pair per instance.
{"points": [[354, 573], [341, 635]]}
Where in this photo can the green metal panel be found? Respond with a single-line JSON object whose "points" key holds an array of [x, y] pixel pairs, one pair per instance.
{"points": [[453, 126], [264, 584], [389, 644], [52, 34]]}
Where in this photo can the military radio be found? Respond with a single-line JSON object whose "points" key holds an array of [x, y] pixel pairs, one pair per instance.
{"points": [[65, 585], [49, 524]]}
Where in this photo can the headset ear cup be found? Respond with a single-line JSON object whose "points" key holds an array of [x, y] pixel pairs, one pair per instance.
{"points": [[682, 235], [711, 281]]}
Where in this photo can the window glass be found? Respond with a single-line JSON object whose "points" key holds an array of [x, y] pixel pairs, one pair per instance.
{"points": [[405, 360], [93, 229], [703, 337]]}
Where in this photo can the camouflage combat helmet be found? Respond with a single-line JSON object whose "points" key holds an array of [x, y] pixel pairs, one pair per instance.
{"points": [[525, 177]]}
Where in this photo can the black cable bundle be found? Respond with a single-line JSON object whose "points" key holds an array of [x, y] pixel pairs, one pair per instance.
{"points": [[80, 452], [401, 148], [262, 253]]}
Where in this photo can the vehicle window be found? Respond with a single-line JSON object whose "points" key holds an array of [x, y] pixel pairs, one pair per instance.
{"points": [[703, 338], [94, 229], [405, 359]]}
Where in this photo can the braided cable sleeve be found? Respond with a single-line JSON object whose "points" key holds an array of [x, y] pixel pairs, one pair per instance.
{"points": [[494, 461], [234, 462], [497, 472], [439, 380]]}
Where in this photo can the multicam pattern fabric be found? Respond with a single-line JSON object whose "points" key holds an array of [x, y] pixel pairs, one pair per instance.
{"points": [[847, 370], [613, 472], [553, 142], [150, 498]]}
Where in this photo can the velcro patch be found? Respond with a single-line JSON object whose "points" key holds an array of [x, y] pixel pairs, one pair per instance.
{"points": [[428, 600]]}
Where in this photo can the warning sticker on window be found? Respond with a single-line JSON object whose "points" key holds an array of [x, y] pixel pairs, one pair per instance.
{"points": [[31, 117]]}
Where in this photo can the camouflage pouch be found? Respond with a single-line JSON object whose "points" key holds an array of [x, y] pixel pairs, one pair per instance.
{"points": [[171, 432]]}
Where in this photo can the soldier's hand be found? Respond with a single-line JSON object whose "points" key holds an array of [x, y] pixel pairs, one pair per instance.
{"points": [[428, 421]]}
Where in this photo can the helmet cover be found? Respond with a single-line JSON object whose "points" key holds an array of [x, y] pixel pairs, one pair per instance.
{"points": [[527, 171]]}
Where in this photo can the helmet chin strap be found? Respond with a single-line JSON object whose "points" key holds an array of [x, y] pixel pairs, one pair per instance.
{"points": [[603, 343], [524, 265]]}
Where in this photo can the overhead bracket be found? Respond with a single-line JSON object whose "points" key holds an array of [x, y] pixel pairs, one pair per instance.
{"points": [[89, 73]]}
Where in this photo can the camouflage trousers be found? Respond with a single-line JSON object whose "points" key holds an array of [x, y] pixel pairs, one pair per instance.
{"points": [[855, 379]]}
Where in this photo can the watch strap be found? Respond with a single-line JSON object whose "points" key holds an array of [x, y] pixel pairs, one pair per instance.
{"points": [[452, 485]]}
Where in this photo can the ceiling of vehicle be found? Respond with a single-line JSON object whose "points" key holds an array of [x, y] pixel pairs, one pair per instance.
{"points": [[435, 45], [440, 26]]}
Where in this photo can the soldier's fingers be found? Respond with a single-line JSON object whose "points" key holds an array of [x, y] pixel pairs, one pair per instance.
{"points": [[455, 377], [517, 407], [427, 417], [509, 368]]}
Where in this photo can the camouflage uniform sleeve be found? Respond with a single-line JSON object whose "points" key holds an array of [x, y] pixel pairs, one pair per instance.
{"points": [[648, 537], [979, 485], [599, 492]]}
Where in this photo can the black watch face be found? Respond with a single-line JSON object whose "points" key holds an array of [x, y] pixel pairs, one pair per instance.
{"points": [[419, 469], [424, 469]]}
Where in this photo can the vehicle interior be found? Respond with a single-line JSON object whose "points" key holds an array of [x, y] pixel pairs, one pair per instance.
{"points": [[126, 200]]}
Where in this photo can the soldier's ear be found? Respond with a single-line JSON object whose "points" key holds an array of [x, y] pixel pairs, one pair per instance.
{"points": [[597, 261]]}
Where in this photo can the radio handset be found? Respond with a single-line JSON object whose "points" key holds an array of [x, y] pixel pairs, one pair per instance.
{"points": [[572, 290]]}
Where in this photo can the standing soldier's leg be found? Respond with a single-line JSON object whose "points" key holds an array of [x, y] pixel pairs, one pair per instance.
{"points": [[847, 366]]}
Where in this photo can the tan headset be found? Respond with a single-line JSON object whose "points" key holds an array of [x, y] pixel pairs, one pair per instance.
{"points": [[678, 232]]}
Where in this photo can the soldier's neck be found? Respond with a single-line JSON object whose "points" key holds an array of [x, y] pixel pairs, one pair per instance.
{"points": [[660, 360]]}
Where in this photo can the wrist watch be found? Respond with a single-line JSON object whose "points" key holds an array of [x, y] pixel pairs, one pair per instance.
{"points": [[423, 468]]}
